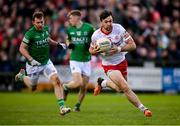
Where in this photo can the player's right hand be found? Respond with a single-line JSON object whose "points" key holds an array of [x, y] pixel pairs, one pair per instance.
{"points": [[34, 63], [95, 49]]}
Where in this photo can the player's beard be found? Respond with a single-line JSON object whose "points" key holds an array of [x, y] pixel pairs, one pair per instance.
{"points": [[109, 28], [39, 28]]}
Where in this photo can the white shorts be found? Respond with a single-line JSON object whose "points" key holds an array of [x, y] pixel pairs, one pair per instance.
{"points": [[34, 71], [83, 68]]}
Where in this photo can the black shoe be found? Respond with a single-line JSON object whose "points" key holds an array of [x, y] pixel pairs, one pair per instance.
{"points": [[99, 81], [66, 91], [76, 109], [64, 110]]}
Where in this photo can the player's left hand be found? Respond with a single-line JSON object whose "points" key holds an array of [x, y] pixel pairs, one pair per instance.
{"points": [[96, 49], [61, 45]]}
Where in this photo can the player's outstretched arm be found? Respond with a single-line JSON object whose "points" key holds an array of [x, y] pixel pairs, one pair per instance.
{"points": [[23, 50], [58, 44], [52, 41]]}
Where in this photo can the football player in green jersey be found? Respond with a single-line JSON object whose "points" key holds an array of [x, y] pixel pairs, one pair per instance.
{"points": [[35, 48], [78, 40]]}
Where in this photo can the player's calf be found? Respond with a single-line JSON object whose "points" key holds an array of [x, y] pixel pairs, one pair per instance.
{"points": [[66, 92]]}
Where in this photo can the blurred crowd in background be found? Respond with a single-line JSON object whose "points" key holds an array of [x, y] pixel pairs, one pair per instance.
{"points": [[154, 25]]}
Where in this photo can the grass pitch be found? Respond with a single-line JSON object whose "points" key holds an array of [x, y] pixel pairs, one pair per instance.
{"points": [[105, 109]]}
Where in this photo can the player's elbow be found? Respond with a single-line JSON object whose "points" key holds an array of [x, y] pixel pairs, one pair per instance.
{"points": [[20, 49], [133, 46]]}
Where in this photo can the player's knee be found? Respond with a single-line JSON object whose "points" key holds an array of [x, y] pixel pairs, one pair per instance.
{"points": [[83, 89], [31, 83], [78, 83], [125, 88], [83, 86], [55, 79]]}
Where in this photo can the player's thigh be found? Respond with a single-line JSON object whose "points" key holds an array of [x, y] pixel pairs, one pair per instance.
{"points": [[75, 67], [33, 78], [33, 73], [125, 77], [86, 68], [85, 79], [117, 77], [49, 70], [76, 72], [77, 78]]}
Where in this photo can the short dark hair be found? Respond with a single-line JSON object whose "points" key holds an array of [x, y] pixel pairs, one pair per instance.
{"points": [[104, 14], [37, 14], [74, 13]]}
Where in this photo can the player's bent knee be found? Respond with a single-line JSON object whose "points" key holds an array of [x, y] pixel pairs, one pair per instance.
{"points": [[55, 79], [83, 87], [78, 83], [125, 88]]}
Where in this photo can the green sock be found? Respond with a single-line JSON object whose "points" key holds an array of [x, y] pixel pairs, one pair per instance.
{"points": [[61, 103], [77, 105], [66, 88], [22, 77]]}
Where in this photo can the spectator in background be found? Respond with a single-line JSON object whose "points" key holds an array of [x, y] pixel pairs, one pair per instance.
{"points": [[15, 19]]}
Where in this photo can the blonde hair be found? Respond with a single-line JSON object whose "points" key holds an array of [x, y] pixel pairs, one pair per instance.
{"points": [[74, 13]]}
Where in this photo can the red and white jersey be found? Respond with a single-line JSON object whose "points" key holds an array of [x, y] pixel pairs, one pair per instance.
{"points": [[117, 38]]}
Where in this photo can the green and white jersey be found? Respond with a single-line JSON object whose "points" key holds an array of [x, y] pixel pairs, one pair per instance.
{"points": [[81, 37], [38, 46]]}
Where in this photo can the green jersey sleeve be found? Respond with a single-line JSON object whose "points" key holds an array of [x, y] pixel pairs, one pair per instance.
{"points": [[27, 37]]}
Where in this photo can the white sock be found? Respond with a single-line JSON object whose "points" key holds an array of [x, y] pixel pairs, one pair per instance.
{"points": [[104, 84], [142, 107]]}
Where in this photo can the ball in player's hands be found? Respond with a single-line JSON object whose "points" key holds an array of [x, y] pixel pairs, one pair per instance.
{"points": [[104, 44]]}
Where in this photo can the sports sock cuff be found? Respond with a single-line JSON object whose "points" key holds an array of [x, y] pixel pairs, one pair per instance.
{"points": [[61, 103], [22, 77], [66, 88], [78, 105], [104, 84], [142, 107]]}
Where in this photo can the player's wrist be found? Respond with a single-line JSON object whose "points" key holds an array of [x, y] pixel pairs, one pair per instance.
{"points": [[30, 59]]}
